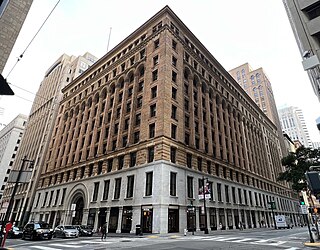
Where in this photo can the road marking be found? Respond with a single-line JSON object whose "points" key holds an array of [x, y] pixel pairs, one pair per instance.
{"points": [[45, 248], [64, 245], [212, 238], [243, 240], [292, 248], [96, 242], [277, 243], [227, 239]]}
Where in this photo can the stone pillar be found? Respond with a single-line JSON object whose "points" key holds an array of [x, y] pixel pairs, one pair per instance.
{"points": [[246, 219], [96, 219], [197, 219], [160, 219], [85, 216], [233, 220], [136, 218], [182, 218], [118, 231]]}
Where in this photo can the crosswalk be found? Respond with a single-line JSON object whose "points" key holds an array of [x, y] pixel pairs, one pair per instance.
{"points": [[254, 241]]}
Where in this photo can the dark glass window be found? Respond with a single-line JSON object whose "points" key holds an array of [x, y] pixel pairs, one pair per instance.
{"points": [[95, 191], [130, 186], [106, 189], [149, 181], [117, 188], [190, 186], [173, 184], [150, 154]]}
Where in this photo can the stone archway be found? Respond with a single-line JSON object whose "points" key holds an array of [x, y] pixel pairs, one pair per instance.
{"points": [[77, 214]]}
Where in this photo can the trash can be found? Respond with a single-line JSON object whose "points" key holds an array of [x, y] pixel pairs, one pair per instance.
{"points": [[138, 229]]}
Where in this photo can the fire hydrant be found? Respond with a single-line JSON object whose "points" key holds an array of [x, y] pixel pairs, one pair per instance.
{"points": [[185, 232]]}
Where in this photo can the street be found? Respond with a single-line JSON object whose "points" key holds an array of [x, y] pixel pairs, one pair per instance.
{"points": [[290, 239]]}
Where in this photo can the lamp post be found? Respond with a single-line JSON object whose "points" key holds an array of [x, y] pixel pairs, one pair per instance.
{"points": [[206, 231]]}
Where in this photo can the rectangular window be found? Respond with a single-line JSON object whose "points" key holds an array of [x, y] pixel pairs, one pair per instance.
{"points": [[139, 102], [239, 196], [136, 137], [142, 53], [174, 44], [199, 162], [174, 76], [57, 197], [173, 131], [63, 195], [154, 92], [133, 159], [38, 199], [233, 190], [190, 186], [124, 140], [174, 61], [50, 198], [106, 190], [117, 188], [138, 119], [174, 112], [140, 86], [173, 184], [186, 138], [155, 60], [156, 44], [245, 197], [110, 163], [130, 185], [189, 160], [152, 130], [45, 199], [155, 75], [120, 162], [153, 109], [226, 190], [149, 177], [174, 93], [219, 192], [150, 154], [95, 191], [173, 152]]}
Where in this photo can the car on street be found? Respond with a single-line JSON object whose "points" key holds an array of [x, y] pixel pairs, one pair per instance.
{"points": [[84, 230], [37, 230], [66, 231], [15, 232]]}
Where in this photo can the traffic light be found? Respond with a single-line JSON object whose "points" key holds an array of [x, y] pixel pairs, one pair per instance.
{"points": [[302, 200]]}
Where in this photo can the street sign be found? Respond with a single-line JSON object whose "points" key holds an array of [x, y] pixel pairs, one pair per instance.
{"points": [[304, 209]]}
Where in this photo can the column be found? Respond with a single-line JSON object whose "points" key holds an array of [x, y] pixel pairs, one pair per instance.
{"points": [[197, 219], [233, 220], [96, 219], [136, 218], [160, 219], [118, 231], [182, 218], [85, 216]]}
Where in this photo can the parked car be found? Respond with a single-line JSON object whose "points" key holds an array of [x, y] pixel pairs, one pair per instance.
{"points": [[37, 230], [66, 231], [84, 230], [15, 232]]}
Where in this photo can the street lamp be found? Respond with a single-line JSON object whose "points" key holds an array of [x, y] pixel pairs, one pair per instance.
{"points": [[206, 231]]}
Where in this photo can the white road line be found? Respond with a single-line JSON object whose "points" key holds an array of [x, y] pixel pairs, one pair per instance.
{"points": [[212, 238], [45, 248], [292, 248], [259, 241], [95, 242], [64, 245], [277, 243], [227, 239], [243, 240]]}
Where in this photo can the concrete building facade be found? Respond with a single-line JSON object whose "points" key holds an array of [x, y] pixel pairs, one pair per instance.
{"points": [[293, 123], [146, 127], [12, 16], [38, 132], [304, 17], [10, 139]]}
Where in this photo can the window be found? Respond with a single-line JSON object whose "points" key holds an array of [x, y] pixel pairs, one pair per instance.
{"points": [[190, 186], [189, 160], [124, 141], [128, 109], [126, 124], [45, 199], [3, 5], [174, 61], [199, 161], [174, 93], [136, 137], [152, 130], [156, 44], [186, 121], [110, 164], [153, 108], [130, 185], [233, 190], [173, 131], [186, 138], [139, 102], [149, 177], [133, 159], [117, 188], [239, 195], [130, 90], [63, 195], [173, 153], [173, 184], [174, 112], [106, 189], [156, 60], [174, 44], [155, 75], [154, 92], [142, 53], [174, 76], [150, 154], [38, 199], [57, 197], [120, 162], [95, 191], [219, 192], [226, 190], [138, 119], [140, 86]]}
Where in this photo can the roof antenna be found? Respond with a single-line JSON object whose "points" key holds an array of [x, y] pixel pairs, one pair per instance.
{"points": [[109, 39]]}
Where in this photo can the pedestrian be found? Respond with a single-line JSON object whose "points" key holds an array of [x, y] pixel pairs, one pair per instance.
{"points": [[220, 226], [240, 226], [104, 231]]}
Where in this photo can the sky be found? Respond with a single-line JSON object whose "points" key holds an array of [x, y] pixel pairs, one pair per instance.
{"points": [[235, 32]]}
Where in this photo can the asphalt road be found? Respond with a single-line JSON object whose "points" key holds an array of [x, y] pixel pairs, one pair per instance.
{"points": [[290, 239]]}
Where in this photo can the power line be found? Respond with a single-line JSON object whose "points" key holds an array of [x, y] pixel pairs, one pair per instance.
{"points": [[20, 57]]}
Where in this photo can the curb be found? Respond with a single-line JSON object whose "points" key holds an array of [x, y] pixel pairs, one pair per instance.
{"points": [[310, 244]]}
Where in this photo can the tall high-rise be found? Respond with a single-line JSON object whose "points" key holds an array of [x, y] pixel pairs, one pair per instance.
{"points": [[12, 16], [141, 131], [257, 85], [293, 123], [304, 17], [36, 138]]}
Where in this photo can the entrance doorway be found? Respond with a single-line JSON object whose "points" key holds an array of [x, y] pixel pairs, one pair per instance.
{"points": [[147, 220], [78, 213], [173, 220], [113, 219]]}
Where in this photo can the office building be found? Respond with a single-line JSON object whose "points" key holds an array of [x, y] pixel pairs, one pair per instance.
{"points": [[146, 127], [293, 123], [305, 22], [12, 16], [35, 140]]}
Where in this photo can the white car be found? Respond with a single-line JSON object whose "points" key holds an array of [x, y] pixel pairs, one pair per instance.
{"points": [[66, 231]]}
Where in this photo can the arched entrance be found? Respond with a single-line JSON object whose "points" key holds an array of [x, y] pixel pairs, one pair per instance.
{"points": [[77, 214]]}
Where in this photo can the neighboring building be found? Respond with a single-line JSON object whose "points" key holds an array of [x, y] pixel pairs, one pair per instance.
{"points": [[12, 16], [257, 85], [305, 22], [39, 129], [316, 145], [10, 138], [290, 146], [139, 130], [293, 123]]}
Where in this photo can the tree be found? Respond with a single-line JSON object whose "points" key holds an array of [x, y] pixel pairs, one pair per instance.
{"points": [[296, 164]]}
